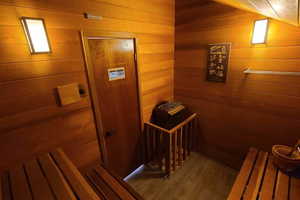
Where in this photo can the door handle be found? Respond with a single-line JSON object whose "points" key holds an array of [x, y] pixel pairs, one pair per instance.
{"points": [[110, 133]]}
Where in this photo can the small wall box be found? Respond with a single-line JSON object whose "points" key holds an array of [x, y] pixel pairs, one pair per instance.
{"points": [[69, 94]]}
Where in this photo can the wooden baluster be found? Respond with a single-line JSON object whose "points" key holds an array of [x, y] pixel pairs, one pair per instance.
{"points": [[153, 140], [147, 145], [175, 149], [153, 130], [189, 137], [154, 151], [159, 148], [192, 134], [163, 150], [184, 140], [150, 143], [168, 144], [180, 146], [149, 138]]}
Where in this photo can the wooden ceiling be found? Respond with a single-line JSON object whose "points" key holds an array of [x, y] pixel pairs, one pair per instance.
{"points": [[284, 10]]}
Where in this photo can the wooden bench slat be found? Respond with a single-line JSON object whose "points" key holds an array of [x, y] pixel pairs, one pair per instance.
{"points": [[282, 187], [241, 181], [102, 186], [256, 177], [295, 189], [6, 195], [19, 185], [113, 184], [97, 189], [269, 181], [39, 185], [125, 185], [75, 179], [60, 187]]}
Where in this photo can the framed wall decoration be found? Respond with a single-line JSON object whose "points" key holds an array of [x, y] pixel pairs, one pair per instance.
{"points": [[217, 64]]}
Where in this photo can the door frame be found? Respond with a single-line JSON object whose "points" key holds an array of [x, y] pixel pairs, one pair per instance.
{"points": [[95, 34]]}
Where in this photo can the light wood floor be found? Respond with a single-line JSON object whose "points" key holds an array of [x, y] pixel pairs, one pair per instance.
{"points": [[200, 178]]}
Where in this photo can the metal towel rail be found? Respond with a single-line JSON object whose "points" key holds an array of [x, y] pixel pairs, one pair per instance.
{"points": [[250, 71]]}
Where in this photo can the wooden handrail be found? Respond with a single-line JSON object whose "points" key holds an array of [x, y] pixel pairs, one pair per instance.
{"points": [[190, 118], [157, 127]]}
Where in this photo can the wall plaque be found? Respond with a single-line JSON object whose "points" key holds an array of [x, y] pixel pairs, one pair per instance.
{"points": [[217, 65], [116, 73]]}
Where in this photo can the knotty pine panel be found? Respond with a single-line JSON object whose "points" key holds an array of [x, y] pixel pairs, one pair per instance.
{"points": [[30, 116], [248, 110]]}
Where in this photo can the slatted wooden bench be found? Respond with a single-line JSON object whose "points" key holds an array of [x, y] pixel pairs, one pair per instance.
{"points": [[260, 179], [51, 176]]}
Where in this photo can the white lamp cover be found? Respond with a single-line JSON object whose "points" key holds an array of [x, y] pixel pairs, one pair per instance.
{"points": [[36, 35], [260, 31]]}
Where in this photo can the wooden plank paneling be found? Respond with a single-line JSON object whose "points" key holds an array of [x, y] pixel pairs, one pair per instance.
{"points": [[247, 110], [31, 117], [129, 10], [35, 93], [70, 130], [282, 10], [26, 70], [77, 21]]}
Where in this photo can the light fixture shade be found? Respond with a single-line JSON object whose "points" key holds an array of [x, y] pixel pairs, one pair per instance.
{"points": [[36, 34], [260, 31]]}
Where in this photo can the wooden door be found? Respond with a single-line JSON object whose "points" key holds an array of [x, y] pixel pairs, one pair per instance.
{"points": [[113, 59]]}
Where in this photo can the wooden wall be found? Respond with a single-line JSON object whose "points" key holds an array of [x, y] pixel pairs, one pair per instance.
{"points": [[253, 110], [31, 121]]}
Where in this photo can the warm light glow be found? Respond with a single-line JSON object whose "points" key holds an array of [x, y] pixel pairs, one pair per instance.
{"points": [[36, 35], [260, 31]]}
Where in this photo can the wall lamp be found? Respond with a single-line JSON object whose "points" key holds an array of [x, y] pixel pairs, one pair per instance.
{"points": [[260, 31], [36, 35]]}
